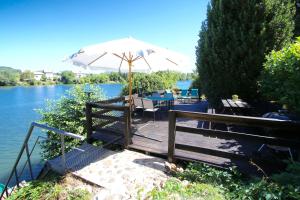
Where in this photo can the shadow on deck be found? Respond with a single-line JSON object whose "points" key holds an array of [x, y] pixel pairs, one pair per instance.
{"points": [[152, 137]]}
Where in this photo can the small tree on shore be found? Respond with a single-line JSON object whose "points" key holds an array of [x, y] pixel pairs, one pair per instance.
{"points": [[67, 113], [233, 42]]}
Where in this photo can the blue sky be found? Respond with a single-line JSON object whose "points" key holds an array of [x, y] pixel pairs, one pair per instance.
{"points": [[37, 34]]}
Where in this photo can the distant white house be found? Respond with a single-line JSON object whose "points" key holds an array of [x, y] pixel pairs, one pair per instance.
{"points": [[48, 74], [38, 75]]}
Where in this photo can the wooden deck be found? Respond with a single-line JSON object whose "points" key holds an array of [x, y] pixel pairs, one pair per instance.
{"points": [[152, 137], [225, 148]]}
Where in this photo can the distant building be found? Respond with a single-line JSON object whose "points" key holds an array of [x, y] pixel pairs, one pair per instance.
{"points": [[49, 75], [38, 75]]}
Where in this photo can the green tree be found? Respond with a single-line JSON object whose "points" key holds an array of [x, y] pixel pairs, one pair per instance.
{"points": [[43, 78], [27, 75], [68, 77], [297, 18], [67, 113], [154, 81], [116, 77], [99, 78], [280, 80], [233, 42]]}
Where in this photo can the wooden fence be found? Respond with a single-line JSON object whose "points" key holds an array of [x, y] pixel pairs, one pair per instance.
{"points": [[286, 126], [110, 119]]}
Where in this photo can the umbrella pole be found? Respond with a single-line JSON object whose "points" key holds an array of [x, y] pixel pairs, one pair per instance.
{"points": [[130, 88]]}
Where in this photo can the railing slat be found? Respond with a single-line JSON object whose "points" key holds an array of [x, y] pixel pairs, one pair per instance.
{"points": [[237, 135], [213, 152], [241, 120]]}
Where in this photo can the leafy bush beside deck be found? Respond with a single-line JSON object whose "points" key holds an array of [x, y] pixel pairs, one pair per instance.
{"points": [[206, 182], [280, 80], [67, 113]]}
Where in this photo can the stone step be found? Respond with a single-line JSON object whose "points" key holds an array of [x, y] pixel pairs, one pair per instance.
{"points": [[78, 158]]}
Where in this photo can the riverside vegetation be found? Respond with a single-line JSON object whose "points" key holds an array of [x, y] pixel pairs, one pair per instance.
{"points": [[13, 77], [200, 181], [51, 187]]}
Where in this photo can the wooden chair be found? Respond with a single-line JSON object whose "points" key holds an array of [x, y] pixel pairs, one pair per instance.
{"points": [[149, 107]]}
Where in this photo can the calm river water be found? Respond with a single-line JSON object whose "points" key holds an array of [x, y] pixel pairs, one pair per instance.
{"points": [[17, 111]]}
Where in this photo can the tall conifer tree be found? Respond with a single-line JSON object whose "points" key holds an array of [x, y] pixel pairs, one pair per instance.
{"points": [[233, 42]]}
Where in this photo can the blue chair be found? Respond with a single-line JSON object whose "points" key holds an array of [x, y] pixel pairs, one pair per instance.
{"points": [[194, 93], [169, 95], [184, 95]]}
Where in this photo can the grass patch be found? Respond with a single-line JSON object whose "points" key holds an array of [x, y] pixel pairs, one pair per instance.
{"points": [[50, 188], [200, 181], [175, 189]]}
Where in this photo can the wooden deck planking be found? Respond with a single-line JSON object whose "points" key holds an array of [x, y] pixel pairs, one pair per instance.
{"points": [[152, 137]]}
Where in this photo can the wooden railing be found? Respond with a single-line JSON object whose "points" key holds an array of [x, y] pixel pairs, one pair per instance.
{"points": [[286, 126], [102, 114]]}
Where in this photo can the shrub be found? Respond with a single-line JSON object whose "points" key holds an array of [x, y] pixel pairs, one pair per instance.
{"points": [[280, 80], [67, 113], [50, 189], [236, 186]]}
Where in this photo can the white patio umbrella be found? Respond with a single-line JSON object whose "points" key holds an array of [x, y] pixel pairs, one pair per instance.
{"points": [[127, 55]]}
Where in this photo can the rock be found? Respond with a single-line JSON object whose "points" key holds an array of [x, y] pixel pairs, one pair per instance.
{"points": [[185, 183], [172, 168]]}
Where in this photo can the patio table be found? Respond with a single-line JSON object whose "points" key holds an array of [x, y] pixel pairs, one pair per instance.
{"points": [[159, 99], [235, 107]]}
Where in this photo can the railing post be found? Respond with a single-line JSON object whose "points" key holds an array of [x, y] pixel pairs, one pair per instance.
{"points": [[88, 113], [28, 160], [63, 157], [17, 178], [172, 134], [127, 132]]}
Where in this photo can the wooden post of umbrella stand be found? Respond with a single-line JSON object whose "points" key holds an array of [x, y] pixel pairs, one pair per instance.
{"points": [[130, 89]]}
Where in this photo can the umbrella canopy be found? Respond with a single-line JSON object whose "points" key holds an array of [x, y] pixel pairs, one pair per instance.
{"points": [[117, 54], [128, 55]]}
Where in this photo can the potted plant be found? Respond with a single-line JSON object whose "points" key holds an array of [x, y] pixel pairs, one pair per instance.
{"points": [[235, 97]]}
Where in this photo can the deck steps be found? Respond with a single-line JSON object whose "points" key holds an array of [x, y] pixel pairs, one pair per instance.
{"points": [[78, 158], [120, 174]]}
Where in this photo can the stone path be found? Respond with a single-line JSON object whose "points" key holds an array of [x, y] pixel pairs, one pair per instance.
{"points": [[123, 175]]}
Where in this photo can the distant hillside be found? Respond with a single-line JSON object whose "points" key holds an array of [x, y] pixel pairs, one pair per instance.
{"points": [[9, 69], [9, 76]]}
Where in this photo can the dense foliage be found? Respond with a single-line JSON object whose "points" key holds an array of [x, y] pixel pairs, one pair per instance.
{"points": [[9, 76], [67, 113], [233, 185], [297, 19], [113, 77], [68, 77], [155, 81], [280, 79], [233, 42], [49, 188]]}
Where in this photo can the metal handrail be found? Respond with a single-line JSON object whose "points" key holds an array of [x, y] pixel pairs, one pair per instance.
{"points": [[25, 147]]}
